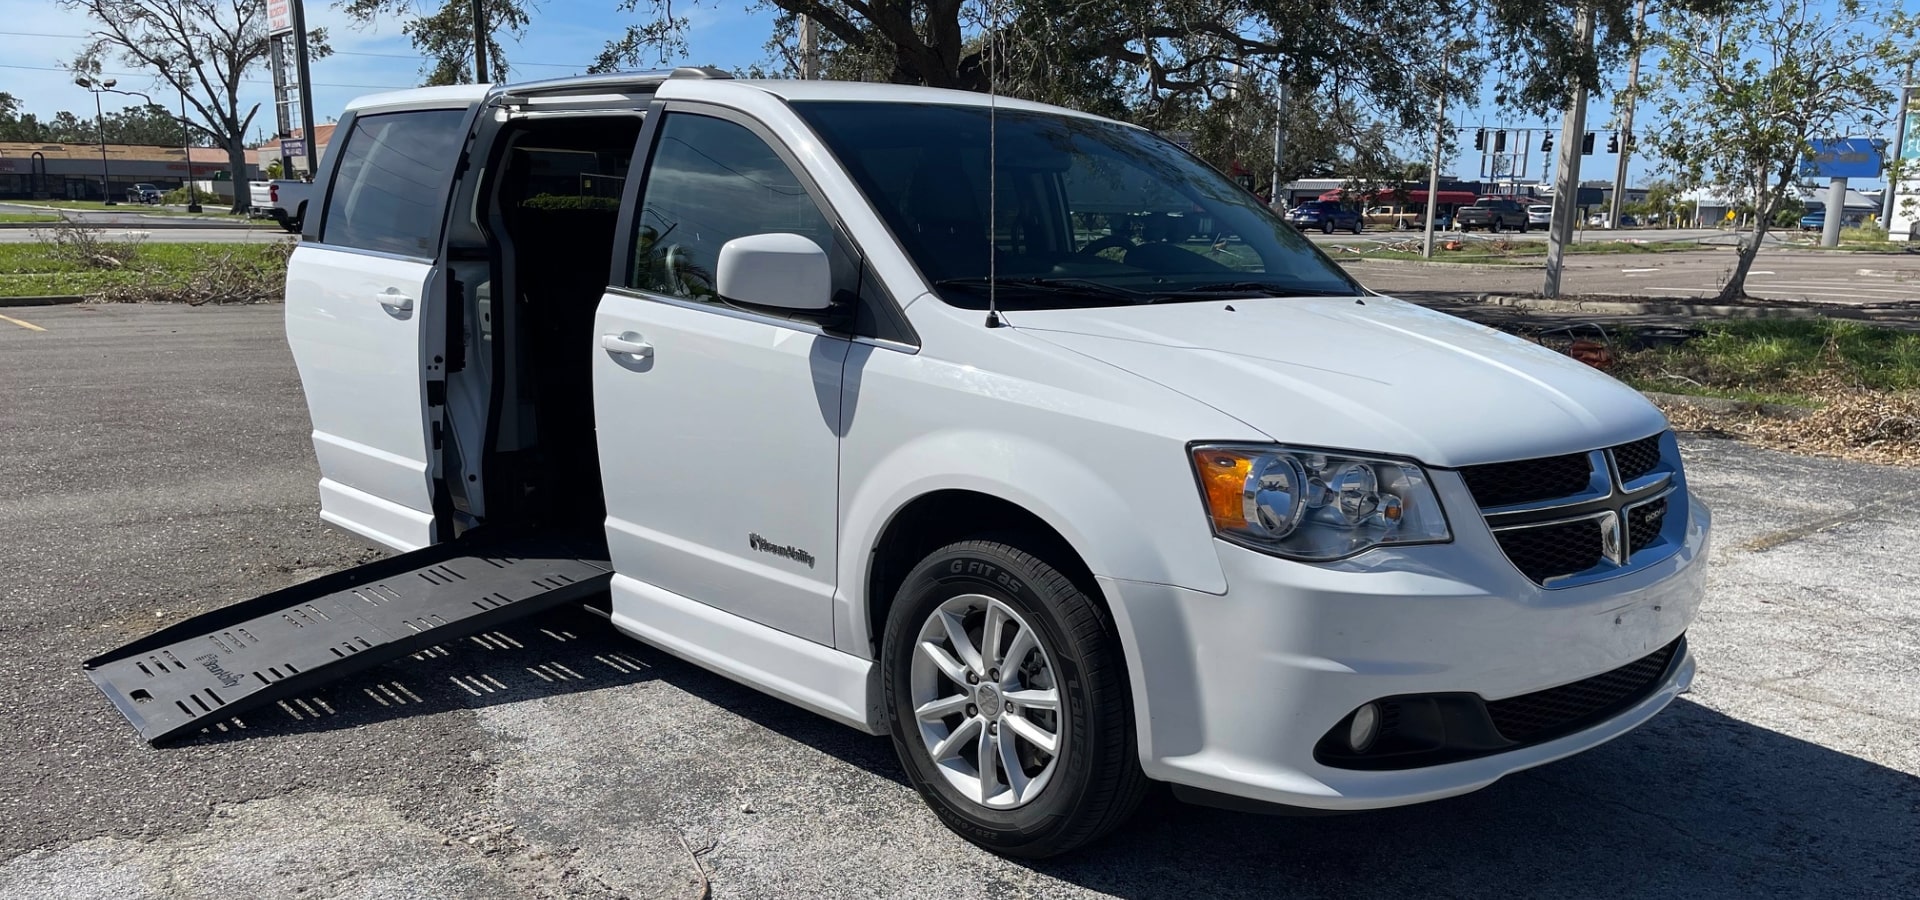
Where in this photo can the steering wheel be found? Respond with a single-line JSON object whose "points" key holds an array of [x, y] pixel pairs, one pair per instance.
{"points": [[1105, 243]]}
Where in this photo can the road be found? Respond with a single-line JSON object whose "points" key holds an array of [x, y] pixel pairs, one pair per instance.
{"points": [[154, 464], [135, 222], [1846, 279]]}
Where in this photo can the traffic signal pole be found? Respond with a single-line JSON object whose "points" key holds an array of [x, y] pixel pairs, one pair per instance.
{"points": [[1566, 182]]}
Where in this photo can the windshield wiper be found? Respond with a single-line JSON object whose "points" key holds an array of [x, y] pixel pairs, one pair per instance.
{"points": [[1253, 288], [1075, 286]]}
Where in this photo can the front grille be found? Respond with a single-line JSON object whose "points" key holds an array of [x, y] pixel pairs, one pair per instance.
{"points": [[1644, 524], [1528, 480], [1555, 520], [1638, 458], [1541, 715], [1553, 550]]}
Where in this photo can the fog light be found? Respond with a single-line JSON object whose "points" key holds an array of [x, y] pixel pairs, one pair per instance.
{"points": [[1366, 723]]}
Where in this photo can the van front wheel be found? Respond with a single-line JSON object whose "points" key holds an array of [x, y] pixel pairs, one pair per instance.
{"points": [[1006, 693]]}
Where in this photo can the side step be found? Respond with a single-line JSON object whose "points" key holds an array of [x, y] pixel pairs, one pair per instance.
{"points": [[212, 667]]}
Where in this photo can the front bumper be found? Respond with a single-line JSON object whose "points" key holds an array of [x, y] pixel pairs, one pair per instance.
{"points": [[1232, 692]]}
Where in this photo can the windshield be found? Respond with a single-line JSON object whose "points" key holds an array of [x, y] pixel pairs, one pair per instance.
{"points": [[1087, 213]]}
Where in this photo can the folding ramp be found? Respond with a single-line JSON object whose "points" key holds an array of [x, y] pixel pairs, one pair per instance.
{"points": [[212, 667]]}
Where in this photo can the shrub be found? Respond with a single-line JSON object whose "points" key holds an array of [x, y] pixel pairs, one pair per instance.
{"points": [[568, 201]]}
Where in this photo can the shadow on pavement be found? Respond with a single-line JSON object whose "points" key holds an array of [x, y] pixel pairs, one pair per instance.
{"points": [[1694, 803]]}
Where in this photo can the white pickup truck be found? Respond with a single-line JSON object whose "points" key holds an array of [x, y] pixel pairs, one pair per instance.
{"points": [[281, 200], [1016, 434]]}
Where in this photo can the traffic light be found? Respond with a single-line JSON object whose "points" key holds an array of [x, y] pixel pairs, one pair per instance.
{"points": [[1546, 142], [1613, 142], [1586, 144], [1500, 142], [1480, 139], [1631, 141]]}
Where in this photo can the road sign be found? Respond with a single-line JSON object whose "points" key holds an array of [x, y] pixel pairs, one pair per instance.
{"points": [[279, 17], [292, 149], [1844, 158]]}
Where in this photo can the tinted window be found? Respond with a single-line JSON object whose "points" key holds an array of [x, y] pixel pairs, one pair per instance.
{"points": [[711, 181], [1083, 212], [387, 193]]}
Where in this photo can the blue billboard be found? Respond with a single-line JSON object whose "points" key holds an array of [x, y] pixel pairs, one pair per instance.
{"points": [[1844, 158]]}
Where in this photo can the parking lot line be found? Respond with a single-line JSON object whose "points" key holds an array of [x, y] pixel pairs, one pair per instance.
{"points": [[27, 325]]}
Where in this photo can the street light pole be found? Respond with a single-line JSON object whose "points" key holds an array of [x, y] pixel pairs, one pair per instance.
{"points": [[100, 125], [1433, 172], [186, 132]]}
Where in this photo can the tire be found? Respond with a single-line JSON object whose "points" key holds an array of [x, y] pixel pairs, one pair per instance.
{"points": [[1359, 225], [1402, 225], [1525, 225], [291, 225], [1326, 227], [1092, 783]]}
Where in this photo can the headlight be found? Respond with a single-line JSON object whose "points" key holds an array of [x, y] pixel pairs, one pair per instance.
{"points": [[1315, 505]]}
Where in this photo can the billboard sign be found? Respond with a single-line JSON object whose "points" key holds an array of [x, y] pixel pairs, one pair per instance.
{"points": [[1910, 148], [1844, 158], [279, 17]]}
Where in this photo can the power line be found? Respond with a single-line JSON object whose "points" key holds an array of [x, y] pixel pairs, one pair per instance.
{"points": [[376, 87], [414, 57]]}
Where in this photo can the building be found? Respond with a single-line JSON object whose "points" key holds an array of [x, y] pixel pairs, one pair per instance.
{"points": [[33, 170], [268, 153]]}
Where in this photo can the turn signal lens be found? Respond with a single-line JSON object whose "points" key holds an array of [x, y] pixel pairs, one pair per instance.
{"points": [[1223, 475]]}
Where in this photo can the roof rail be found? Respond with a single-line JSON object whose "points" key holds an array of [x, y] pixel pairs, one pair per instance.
{"points": [[610, 81]]}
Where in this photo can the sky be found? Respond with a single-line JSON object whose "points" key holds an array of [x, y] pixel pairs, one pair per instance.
{"points": [[38, 36]]}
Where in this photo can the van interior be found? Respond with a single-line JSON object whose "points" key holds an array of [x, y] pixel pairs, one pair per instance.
{"points": [[529, 261]]}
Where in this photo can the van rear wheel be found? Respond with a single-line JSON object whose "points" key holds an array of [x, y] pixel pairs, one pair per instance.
{"points": [[1006, 694]]}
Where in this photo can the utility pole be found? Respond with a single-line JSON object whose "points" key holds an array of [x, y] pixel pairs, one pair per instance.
{"points": [[479, 42], [1626, 123], [1433, 171], [1279, 144], [809, 49], [1897, 162], [1566, 182], [309, 140]]}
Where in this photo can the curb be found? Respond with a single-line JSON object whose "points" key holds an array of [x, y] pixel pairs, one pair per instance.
{"points": [[1701, 310], [1726, 406], [51, 300], [148, 225], [1427, 264]]}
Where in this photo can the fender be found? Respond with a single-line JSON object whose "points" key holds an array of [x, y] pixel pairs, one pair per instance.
{"points": [[1101, 520]]}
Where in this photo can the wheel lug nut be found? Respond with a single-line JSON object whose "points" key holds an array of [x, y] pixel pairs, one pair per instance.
{"points": [[993, 674], [972, 678], [993, 728], [972, 710]]}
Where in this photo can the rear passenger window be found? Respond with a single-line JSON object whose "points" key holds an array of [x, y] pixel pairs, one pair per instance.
{"points": [[387, 192]]}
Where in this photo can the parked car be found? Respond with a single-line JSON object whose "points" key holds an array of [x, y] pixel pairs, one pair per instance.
{"points": [[282, 200], [1397, 217], [1326, 215], [1540, 214], [1815, 220], [1495, 214], [1059, 524], [145, 193]]}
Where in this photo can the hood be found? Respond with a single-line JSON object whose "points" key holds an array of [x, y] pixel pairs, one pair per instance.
{"points": [[1368, 374]]}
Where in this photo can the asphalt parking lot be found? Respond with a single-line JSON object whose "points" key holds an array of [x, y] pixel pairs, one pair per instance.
{"points": [[154, 464]]}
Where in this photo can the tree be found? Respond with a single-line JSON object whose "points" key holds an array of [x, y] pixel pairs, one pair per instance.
{"points": [[444, 35], [1742, 96], [202, 49], [1150, 61]]}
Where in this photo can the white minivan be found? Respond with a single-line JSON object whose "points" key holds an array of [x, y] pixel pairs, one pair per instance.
{"points": [[1017, 434]]}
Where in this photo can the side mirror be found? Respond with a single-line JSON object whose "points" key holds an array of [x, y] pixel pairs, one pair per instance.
{"points": [[781, 271]]}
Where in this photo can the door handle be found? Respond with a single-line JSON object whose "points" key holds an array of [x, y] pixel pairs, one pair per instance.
{"points": [[394, 300], [627, 343]]}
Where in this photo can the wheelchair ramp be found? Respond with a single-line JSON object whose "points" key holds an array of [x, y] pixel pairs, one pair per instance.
{"points": [[210, 668]]}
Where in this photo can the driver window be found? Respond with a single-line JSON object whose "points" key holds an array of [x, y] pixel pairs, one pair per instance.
{"points": [[711, 181]]}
